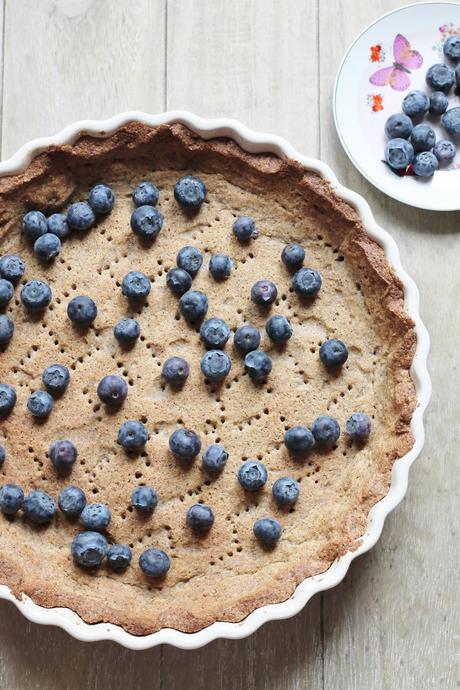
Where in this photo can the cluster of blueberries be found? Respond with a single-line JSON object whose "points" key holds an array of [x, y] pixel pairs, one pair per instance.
{"points": [[417, 145], [90, 547]]}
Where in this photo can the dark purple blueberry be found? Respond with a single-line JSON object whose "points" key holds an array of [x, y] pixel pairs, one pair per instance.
{"points": [[286, 491], [136, 285], [246, 338], [215, 365], [399, 153], [451, 121], [440, 77], [190, 259], [39, 507], [89, 549], [422, 138], [6, 292], [325, 430], [132, 435], [185, 443], [146, 222], [7, 399], [127, 331], [306, 282], [47, 247], [71, 501], [146, 194], [154, 563], [278, 329], [40, 404], [264, 292], [267, 531], [200, 517], [11, 499], [244, 228], [398, 125], [119, 557], [252, 475], [36, 295], [63, 454], [12, 268], [333, 353], [293, 256], [215, 458], [80, 216], [96, 517], [178, 281], [193, 305], [425, 164], [34, 225], [82, 310], [415, 104], [144, 499], [257, 365], [451, 48], [220, 266], [112, 390], [358, 427], [438, 103], [445, 151], [214, 333], [101, 199], [175, 371], [56, 378], [190, 192], [299, 440], [57, 225], [6, 329]]}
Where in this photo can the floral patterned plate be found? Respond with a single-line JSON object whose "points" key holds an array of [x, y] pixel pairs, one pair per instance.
{"points": [[386, 61]]}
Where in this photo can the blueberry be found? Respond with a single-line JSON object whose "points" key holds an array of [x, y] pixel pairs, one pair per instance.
{"points": [[136, 285], [146, 194], [398, 125], [154, 563], [451, 122], [40, 404], [89, 549], [189, 259], [286, 491], [175, 371], [193, 305], [185, 443], [12, 268], [264, 292], [422, 138], [96, 517], [214, 333], [306, 282], [399, 153], [47, 247], [190, 192], [127, 331], [119, 557], [6, 292], [278, 329], [438, 103], [11, 499], [358, 426], [56, 378], [215, 365], [415, 104], [445, 151], [457, 76], [62, 454], [57, 225], [39, 507], [146, 222], [200, 517], [246, 339], [299, 440], [112, 390], [6, 329], [178, 281], [267, 531], [34, 225], [71, 501], [80, 216], [215, 458], [2, 456], [252, 475], [144, 499], [132, 435], [220, 266], [36, 295], [101, 199], [258, 365], [293, 255], [451, 48], [244, 228], [325, 430], [333, 353], [7, 399], [82, 310], [425, 164], [440, 77]]}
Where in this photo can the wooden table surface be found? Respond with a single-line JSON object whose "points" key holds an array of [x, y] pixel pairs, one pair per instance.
{"points": [[392, 623]]}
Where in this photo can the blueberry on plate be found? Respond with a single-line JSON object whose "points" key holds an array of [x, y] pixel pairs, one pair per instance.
{"points": [[146, 194], [440, 77], [47, 247], [101, 199], [425, 164], [136, 285], [422, 138], [299, 440], [6, 292], [36, 295], [144, 499], [6, 329], [306, 282], [293, 256], [7, 399], [333, 353], [267, 531], [175, 371], [264, 292], [286, 491], [200, 517], [214, 333], [112, 390], [34, 225], [56, 378], [398, 125], [132, 435], [325, 430], [246, 338], [96, 517], [220, 266], [2, 456], [119, 557], [257, 365], [215, 365], [190, 259], [39, 507], [415, 104], [215, 458], [71, 501], [190, 192], [451, 48], [40, 404], [12, 268], [438, 103], [127, 331], [80, 216], [193, 305], [244, 228], [146, 222], [358, 426], [11, 499], [278, 329], [178, 281], [252, 475], [399, 153], [82, 310], [89, 549], [445, 151], [154, 563], [451, 122], [185, 444], [63, 454], [57, 225]]}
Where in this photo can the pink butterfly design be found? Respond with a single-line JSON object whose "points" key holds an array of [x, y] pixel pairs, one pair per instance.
{"points": [[397, 76]]}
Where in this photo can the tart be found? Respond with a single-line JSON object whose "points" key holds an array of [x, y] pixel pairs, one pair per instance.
{"points": [[224, 574]]}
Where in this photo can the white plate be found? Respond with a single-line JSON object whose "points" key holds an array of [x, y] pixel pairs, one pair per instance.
{"points": [[361, 109], [254, 142]]}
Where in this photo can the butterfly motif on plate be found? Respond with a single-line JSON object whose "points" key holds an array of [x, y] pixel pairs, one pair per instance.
{"points": [[405, 60]]}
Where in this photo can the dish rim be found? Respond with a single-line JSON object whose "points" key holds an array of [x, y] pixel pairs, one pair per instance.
{"points": [[253, 142]]}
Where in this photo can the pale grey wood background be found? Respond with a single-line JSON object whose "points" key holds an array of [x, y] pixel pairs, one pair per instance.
{"points": [[271, 63]]}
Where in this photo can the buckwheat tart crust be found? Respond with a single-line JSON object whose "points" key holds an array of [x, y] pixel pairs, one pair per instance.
{"points": [[226, 574]]}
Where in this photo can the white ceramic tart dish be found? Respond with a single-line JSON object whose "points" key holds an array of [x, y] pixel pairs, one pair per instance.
{"points": [[268, 145]]}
